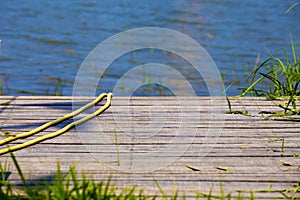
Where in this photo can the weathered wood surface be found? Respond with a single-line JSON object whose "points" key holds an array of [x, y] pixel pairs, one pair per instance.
{"points": [[157, 138]]}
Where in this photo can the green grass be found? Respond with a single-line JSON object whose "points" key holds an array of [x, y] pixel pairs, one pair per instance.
{"points": [[69, 186], [231, 111], [65, 186], [291, 7], [283, 77], [278, 139], [59, 86]]}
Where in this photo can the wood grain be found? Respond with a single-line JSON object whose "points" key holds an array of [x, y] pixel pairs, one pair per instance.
{"points": [[158, 137]]}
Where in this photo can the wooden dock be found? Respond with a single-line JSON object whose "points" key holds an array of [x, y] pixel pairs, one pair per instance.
{"points": [[188, 144]]}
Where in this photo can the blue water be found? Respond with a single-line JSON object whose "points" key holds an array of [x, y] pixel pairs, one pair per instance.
{"points": [[44, 42]]}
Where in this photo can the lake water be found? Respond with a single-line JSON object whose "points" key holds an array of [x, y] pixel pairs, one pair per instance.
{"points": [[45, 42]]}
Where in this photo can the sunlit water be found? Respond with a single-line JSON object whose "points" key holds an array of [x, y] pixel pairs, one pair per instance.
{"points": [[44, 42]]}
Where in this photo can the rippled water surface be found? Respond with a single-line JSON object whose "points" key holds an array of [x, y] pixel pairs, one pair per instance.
{"points": [[45, 42]]}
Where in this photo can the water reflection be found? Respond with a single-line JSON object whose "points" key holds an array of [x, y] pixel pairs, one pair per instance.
{"points": [[51, 39]]}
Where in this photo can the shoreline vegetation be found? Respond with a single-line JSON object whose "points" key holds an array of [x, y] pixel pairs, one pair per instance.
{"points": [[281, 74], [68, 186]]}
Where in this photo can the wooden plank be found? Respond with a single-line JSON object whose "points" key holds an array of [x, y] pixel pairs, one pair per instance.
{"points": [[248, 145]]}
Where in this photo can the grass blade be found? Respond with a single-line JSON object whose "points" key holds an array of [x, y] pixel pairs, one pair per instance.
{"points": [[164, 196], [27, 188], [293, 49], [251, 86], [291, 7], [274, 80]]}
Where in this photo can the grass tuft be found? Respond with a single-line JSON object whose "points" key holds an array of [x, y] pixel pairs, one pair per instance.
{"points": [[283, 77], [69, 186]]}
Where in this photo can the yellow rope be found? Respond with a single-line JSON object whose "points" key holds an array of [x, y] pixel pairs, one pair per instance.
{"points": [[54, 122]]}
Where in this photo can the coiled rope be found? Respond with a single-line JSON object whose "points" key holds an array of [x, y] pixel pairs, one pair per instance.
{"points": [[54, 122]]}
